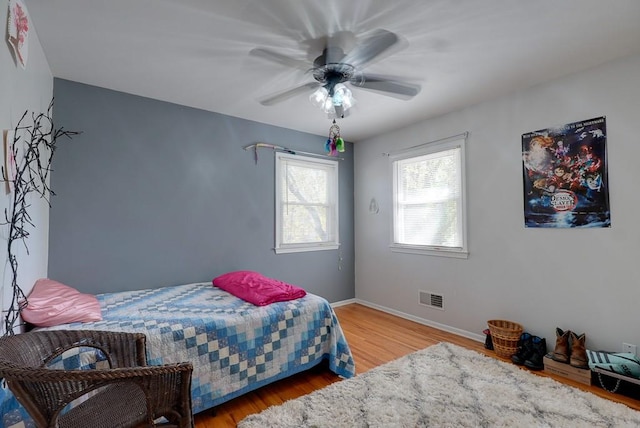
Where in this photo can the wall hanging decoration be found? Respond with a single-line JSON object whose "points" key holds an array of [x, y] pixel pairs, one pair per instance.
{"points": [[374, 208], [31, 150], [565, 176], [334, 143], [9, 166], [18, 31], [276, 148]]}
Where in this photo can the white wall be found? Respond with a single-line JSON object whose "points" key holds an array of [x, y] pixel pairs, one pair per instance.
{"points": [[20, 90], [585, 280]]}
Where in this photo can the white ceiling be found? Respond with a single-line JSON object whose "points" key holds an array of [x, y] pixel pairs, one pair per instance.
{"points": [[196, 52]]}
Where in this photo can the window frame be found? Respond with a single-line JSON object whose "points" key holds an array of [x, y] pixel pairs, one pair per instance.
{"points": [[455, 142], [333, 220]]}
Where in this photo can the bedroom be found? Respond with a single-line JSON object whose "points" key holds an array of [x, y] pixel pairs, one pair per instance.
{"points": [[109, 189]]}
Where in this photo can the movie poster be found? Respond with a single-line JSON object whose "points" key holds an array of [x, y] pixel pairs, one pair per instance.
{"points": [[565, 176]]}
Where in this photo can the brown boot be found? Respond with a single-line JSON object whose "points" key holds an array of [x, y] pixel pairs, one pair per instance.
{"points": [[578, 351], [561, 352]]}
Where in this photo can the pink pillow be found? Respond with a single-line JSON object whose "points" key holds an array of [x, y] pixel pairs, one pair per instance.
{"points": [[257, 288], [52, 303]]}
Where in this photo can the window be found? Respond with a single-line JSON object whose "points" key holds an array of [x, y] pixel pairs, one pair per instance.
{"points": [[306, 204], [429, 199]]}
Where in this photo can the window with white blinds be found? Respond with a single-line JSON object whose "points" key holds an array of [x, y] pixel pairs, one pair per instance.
{"points": [[306, 204], [429, 199]]}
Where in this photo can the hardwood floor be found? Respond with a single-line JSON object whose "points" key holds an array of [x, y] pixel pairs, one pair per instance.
{"points": [[375, 338]]}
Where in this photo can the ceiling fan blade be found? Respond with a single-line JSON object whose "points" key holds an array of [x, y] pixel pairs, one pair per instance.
{"points": [[386, 85], [371, 47], [279, 58], [272, 99], [336, 46]]}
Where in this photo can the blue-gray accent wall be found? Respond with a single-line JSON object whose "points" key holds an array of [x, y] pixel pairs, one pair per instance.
{"points": [[154, 194]]}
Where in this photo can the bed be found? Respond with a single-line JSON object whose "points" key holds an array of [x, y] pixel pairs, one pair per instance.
{"points": [[235, 346]]}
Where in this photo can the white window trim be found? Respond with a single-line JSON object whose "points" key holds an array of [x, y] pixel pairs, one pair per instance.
{"points": [[281, 248], [420, 150]]}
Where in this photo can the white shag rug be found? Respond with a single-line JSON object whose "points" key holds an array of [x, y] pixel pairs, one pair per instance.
{"points": [[446, 386]]}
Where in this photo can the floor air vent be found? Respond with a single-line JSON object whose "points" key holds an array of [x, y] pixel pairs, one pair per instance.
{"points": [[433, 300]]}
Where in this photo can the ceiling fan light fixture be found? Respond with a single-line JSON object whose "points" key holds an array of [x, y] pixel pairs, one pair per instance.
{"points": [[342, 96], [334, 105], [319, 97]]}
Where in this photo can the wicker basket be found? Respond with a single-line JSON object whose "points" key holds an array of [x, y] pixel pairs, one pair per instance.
{"points": [[505, 336]]}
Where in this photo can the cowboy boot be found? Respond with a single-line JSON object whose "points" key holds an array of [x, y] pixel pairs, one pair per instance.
{"points": [[525, 349], [535, 361], [561, 352], [578, 351]]}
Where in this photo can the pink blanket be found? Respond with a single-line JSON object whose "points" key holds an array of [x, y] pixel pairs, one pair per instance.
{"points": [[256, 288]]}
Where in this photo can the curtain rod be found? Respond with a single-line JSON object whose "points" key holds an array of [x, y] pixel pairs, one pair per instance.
{"points": [[441, 140], [275, 148]]}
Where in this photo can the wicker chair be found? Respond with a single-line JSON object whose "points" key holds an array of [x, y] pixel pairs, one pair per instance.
{"points": [[127, 393]]}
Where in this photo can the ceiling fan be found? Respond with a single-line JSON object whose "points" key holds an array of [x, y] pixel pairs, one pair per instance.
{"points": [[334, 68]]}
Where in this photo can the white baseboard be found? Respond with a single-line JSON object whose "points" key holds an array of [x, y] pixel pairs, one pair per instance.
{"points": [[343, 302], [444, 327]]}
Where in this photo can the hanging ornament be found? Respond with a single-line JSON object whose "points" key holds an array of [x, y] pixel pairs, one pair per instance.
{"points": [[334, 143]]}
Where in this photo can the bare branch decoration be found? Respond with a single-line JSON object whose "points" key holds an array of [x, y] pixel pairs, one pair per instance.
{"points": [[32, 149]]}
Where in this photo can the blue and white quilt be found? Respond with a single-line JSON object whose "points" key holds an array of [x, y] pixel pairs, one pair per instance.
{"points": [[235, 347]]}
